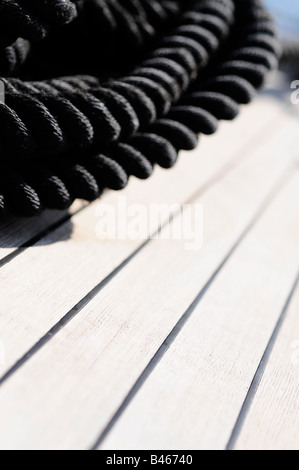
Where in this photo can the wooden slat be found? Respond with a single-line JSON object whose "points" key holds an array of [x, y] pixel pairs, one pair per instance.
{"points": [[64, 396], [273, 419], [193, 397], [51, 277]]}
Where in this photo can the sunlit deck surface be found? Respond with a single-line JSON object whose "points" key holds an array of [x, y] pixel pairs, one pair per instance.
{"points": [[116, 342]]}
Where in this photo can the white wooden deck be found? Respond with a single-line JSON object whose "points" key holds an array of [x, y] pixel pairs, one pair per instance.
{"points": [[133, 344]]}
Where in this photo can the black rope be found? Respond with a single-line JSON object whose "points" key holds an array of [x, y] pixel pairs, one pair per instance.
{"points": [[163, 72]]}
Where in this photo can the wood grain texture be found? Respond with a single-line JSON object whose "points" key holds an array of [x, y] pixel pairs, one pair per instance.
{"points": [[273, 419], [65, 395], [193, 397], [42, 284]]}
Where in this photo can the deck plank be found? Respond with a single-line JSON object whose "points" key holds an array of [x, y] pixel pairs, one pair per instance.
{"points": [[67, 392], [193, 397], [273, 419], [47, 280]]}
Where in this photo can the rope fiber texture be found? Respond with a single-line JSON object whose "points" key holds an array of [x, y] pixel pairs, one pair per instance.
{"points": [[97, 91]]}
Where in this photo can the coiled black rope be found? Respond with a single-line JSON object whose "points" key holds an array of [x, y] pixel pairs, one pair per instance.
{"points": [[162, 73]]}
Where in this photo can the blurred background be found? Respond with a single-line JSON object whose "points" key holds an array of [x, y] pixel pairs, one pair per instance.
{"points": [[287, 15]]}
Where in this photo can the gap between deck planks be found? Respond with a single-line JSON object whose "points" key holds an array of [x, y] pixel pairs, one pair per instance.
{"points": [[272, 421], [47, 280], [68, 372]]}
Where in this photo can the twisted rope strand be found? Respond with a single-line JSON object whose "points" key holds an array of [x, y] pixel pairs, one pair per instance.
{"points": [[64, 138]]}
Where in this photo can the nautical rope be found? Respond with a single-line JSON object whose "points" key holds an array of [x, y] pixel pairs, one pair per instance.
{"points": [[97, 91]]}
